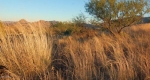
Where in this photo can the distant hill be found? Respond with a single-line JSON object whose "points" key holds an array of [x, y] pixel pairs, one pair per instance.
{"points": [[10, 26], [25, 23], [146, 20], [44, 23]]}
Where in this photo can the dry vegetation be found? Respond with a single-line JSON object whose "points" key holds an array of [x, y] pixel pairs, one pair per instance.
{"points": [[40, 56]]}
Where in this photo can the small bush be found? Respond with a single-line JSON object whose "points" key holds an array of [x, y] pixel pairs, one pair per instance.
{"points": [[65, 28]]}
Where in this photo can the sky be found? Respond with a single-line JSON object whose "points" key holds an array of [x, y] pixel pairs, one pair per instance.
{"points": [[34, 10]]}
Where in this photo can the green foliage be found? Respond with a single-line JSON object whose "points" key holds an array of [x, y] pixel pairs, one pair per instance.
{"points": [[117, 15], [79, 20], [94, 21], [65, 28]]}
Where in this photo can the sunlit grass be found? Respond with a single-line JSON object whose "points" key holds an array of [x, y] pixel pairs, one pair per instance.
{"points": [[32, 53]]}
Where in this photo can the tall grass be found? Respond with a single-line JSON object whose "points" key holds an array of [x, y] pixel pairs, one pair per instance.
{"points": [[105, 58], [26, 53], [35, 55]]}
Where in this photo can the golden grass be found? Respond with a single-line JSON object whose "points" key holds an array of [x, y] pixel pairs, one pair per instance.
{"points": [[106, 58], [25, 53], [145, 27], [36, 55]]}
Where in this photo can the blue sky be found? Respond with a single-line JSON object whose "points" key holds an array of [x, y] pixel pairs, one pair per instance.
{"points": [[34, 10]]}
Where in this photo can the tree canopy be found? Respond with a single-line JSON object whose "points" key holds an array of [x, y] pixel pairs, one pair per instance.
{"points": [[117, 14], [79, 20]]}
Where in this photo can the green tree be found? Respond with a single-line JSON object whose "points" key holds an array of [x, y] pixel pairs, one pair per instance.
{"points": [[79, 20], [94, 21], [115, 15]]}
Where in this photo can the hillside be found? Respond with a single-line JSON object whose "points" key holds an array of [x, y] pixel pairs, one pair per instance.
{"points": [[34, 55], [24, 27]]}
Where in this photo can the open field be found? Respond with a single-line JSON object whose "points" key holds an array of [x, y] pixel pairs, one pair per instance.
{"points": [[33, 53]]}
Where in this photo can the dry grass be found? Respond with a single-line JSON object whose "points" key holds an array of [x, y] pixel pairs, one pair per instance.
{"points": [[145, 27], [26, 54], [38, 56]]}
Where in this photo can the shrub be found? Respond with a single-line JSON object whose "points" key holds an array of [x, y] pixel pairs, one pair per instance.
{"points": [[65, 28]]}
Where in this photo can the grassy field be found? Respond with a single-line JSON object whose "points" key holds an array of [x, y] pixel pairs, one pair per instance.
{"points": [[35, 54]]}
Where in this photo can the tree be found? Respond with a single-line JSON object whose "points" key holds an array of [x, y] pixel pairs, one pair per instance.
{"points": [[115, 15], [94, 21], [79, 20]]}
